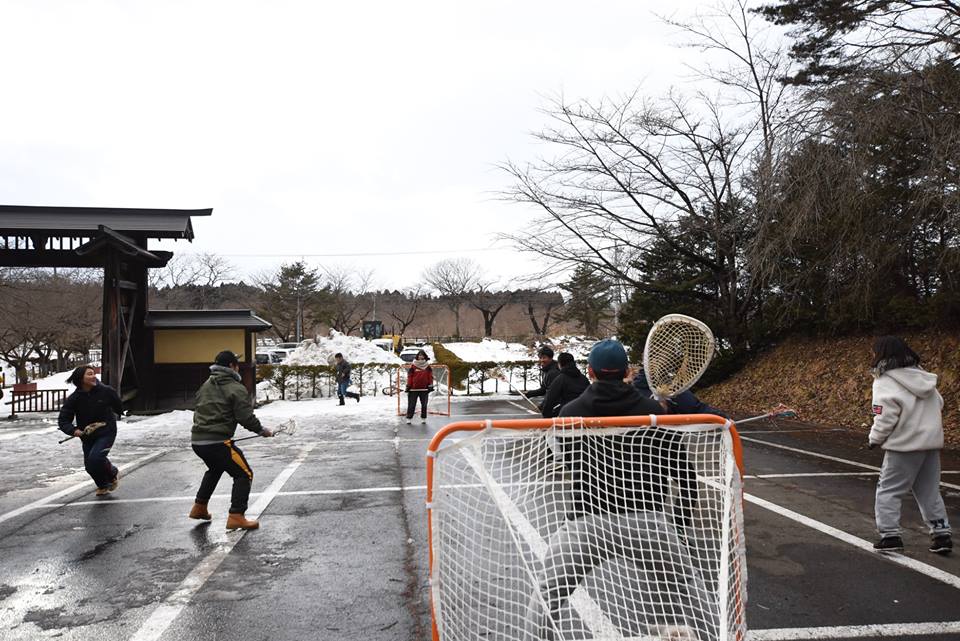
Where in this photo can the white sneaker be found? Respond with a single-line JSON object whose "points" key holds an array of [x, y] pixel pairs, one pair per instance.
{"points": [[409, 421], [423, 421]]}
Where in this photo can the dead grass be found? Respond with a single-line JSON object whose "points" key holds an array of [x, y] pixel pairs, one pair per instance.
{"points": [[829, 383]]}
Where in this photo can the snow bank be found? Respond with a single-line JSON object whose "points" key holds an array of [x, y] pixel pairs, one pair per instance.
{"points": [[491, 350], [353, 348]]}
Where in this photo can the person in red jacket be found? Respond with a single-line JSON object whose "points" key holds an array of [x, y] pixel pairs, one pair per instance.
{"points": [[419, 386]]}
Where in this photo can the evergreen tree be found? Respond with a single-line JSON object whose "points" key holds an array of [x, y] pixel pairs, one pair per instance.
{"points": [[589, 301]]}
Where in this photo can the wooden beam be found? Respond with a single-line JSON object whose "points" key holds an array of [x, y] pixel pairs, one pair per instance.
{"points": [[66, 258]]}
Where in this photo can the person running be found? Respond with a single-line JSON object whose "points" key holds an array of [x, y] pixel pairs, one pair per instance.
{"points": [[342, 375], [567, 386], [91, 404], [221, 403], [419, 386], [621, 495], [908, 425]]}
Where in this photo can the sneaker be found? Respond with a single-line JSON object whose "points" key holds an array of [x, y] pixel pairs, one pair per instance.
{"points": [[942, 544], [102, 491], [114, 483], [889, 544], [409, 421], [423, 421]]}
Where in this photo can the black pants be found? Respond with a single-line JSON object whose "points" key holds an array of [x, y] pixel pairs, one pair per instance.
{"points": [[412, 403], [95, 450], [220, 458]]}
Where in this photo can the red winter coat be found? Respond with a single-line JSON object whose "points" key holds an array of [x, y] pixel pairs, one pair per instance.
{"points": [[419, 379]]}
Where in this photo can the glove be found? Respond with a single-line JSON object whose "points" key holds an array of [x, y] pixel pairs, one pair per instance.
{"points": [[871, 445], [266, 433], [406, 389], [430, 389]]}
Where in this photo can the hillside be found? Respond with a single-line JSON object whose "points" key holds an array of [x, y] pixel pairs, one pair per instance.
{"points": [[828, 380]]}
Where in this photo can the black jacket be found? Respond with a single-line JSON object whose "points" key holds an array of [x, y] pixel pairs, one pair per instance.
{"points": [[548, 374], [567, 386], [630, 471], [99, 404], [683, 403]]}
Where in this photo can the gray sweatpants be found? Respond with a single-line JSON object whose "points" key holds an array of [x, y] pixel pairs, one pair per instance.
{"points": [[910, 472]]}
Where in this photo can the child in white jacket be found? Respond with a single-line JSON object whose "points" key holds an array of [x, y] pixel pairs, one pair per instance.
{"points": [[907, 424]]}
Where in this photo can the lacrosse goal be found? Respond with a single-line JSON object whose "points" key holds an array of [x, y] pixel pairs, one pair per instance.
{"points": [[612, 528], [438, 403]]}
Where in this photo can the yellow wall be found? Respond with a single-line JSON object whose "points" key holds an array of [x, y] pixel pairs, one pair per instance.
{"points": [[196, 345]]}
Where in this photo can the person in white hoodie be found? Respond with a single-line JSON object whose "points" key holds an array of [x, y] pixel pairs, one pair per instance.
{"points": [[907, 424]]}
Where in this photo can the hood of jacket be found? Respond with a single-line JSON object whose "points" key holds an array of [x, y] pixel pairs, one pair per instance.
{"points": [[219, 372], [571, 370], [918, 382]]}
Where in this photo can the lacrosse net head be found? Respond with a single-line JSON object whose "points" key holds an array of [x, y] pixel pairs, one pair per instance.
{"points": [[93, 427], [677, 352], [288, 427]]}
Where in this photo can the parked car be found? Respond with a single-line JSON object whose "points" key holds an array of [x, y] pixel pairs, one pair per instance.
{"points": [[262, 358], [287, 346], [279, 355], [407, 354]]}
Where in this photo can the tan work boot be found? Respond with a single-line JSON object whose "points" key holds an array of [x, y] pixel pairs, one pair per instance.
{"points": [[102, 491], [238, 522], [199, 511], [114, 483]]}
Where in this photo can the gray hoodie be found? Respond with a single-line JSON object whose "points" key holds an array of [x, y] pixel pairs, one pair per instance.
{"points": [[907, 411]]}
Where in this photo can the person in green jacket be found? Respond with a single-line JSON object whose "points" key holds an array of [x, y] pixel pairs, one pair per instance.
{"points": [[221, 403]]}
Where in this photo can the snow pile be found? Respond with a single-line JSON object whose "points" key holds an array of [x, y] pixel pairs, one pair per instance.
{"points": [[579, 346], [491, 350], [54, 381], [353, 348]]}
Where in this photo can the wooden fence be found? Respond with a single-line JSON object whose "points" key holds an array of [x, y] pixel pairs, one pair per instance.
{"points": [[45, 400]]}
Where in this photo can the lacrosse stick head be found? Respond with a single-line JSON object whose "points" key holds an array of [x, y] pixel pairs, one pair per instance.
{"points": [[678, 351], [93, 427], [289, 427]]}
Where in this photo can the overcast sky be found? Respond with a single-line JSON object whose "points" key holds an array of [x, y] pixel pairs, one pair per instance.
{"points": [[311, 127]]}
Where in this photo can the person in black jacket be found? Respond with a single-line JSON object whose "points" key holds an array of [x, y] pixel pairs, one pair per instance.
{"points": [[567, 386], [683, 403], [93, 402], [621, 501], [548, 372]]}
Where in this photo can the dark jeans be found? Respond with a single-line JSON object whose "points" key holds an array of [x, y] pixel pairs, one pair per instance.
{"points": [[95, 451], [412, 403], [220, 458]]}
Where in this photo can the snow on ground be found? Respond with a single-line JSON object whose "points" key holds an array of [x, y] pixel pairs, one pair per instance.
{"points": [[579, 346], [491, 350], [353, 348], [54, 381]]}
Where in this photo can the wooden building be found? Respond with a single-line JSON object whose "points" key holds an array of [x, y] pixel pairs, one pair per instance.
{"points": [[182, 345]]}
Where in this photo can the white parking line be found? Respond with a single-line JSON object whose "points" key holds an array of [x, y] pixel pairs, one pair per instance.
{"points": [[85, 485], [917, 566], [161, 618], [828, 457], [886, 630]]}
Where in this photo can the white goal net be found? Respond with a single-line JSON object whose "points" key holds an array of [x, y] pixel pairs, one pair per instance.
{"points": [[593, 529], [438, 400]]}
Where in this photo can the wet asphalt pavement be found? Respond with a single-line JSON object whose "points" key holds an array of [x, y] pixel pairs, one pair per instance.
{"points": [[342, 552]]}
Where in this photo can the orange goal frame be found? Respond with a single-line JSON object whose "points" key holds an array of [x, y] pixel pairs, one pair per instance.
{"points": [[401, 381], [560, 423]]}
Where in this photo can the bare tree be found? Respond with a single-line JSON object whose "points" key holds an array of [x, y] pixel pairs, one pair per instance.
{"points": [[350, 296], [489, 299], [453, 279], [541, 306], [406, 309]]}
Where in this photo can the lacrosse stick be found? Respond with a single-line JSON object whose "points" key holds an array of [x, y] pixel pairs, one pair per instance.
{"points": [[780, 411], [677, 353], [498, 374], [87, 431], [289, 426]]}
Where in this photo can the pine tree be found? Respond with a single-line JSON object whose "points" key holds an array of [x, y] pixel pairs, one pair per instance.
{"points": [[589, 301]]}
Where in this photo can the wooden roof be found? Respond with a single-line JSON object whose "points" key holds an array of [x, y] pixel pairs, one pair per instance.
{"points": [[85, 221], [205, 319]]}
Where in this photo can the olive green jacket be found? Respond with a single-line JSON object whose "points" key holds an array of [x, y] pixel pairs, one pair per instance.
{"points": [[221, 403]]}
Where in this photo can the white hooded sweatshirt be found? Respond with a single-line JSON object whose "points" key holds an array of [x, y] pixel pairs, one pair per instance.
{"points": [[907, 411]]}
